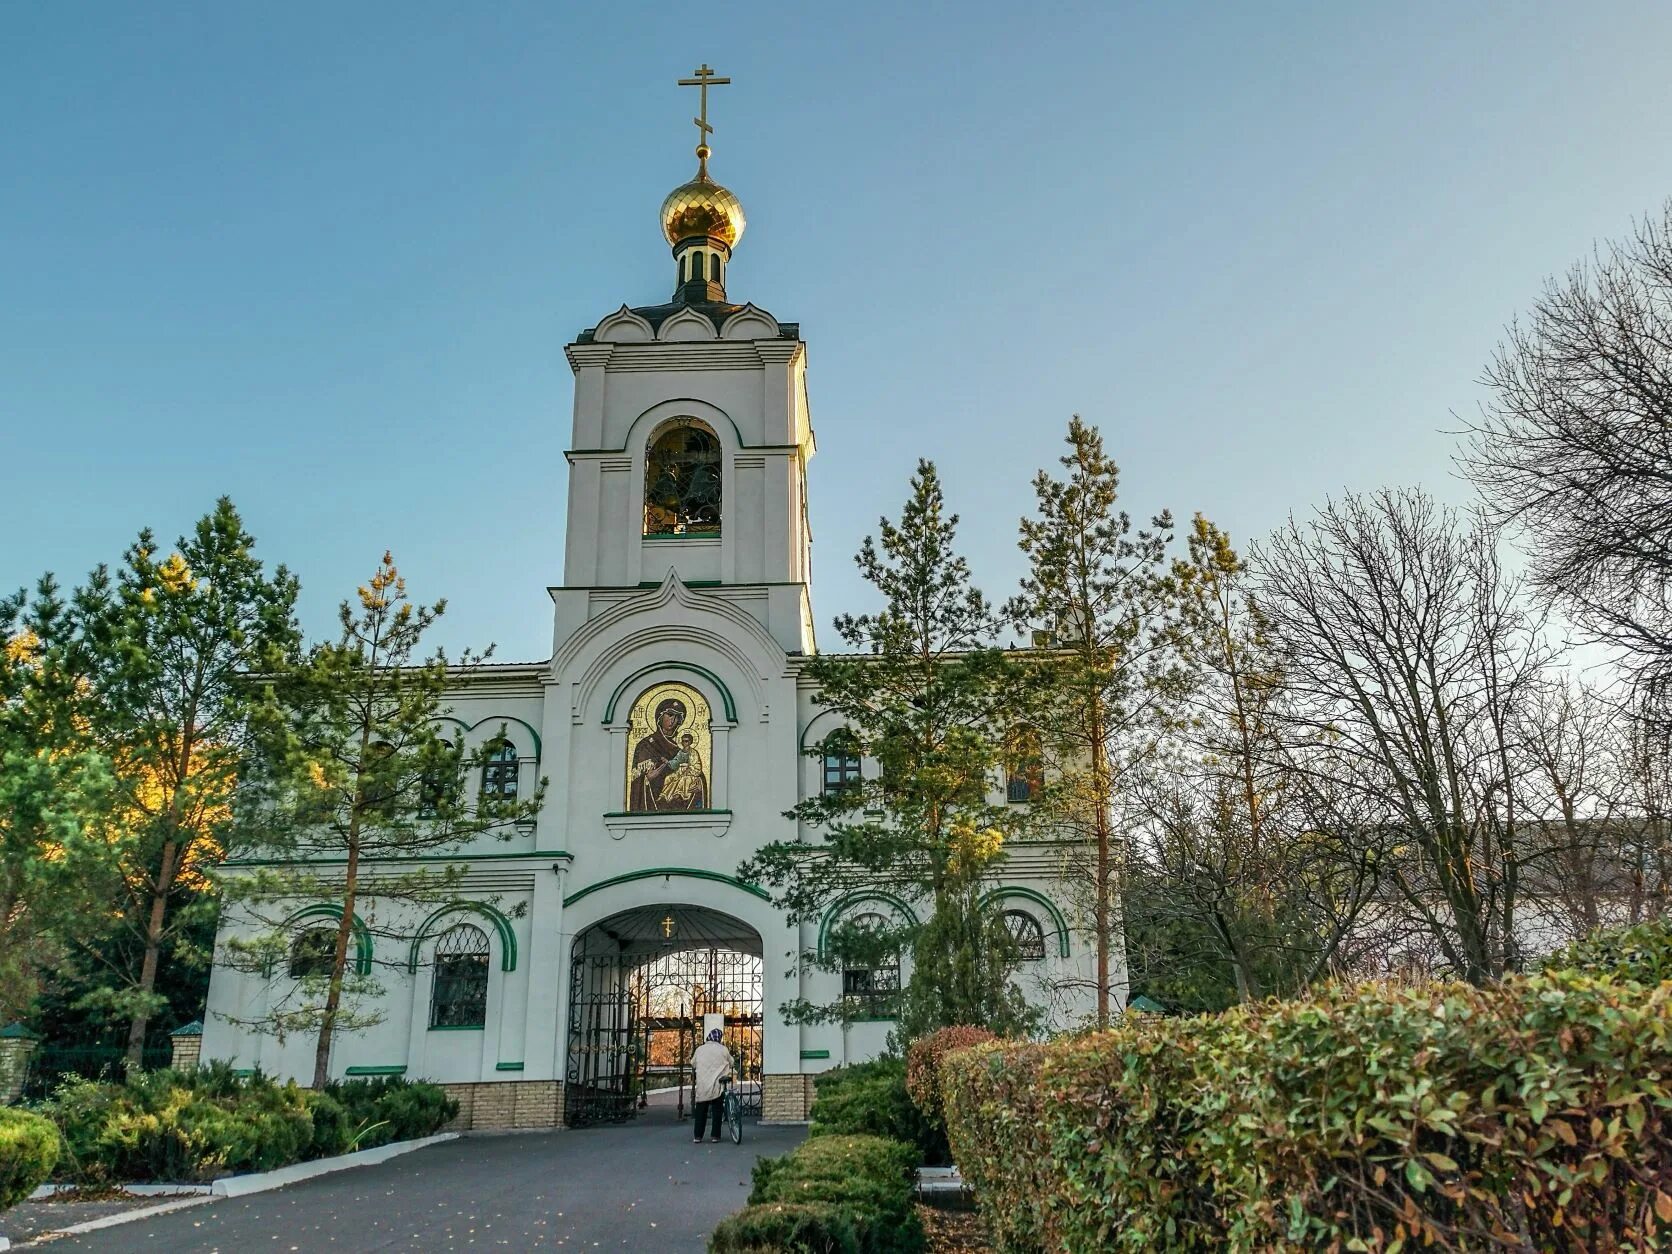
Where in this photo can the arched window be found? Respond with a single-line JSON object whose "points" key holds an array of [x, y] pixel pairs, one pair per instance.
{"points": [[871, 985], [311, 953], [841, 762], [499, 772], [1027, 938], [682, 482], [459, 993]]}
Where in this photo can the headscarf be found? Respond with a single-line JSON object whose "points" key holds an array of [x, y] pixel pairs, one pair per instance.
{"points": [[714, 1035]]}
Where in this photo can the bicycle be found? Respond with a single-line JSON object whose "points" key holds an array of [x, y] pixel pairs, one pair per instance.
{"points": [[731, 1110]]}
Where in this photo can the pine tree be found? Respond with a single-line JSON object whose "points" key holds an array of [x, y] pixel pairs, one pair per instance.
{"points": [[357, 779], [1099, 592], [168, 644], [922, 696]]}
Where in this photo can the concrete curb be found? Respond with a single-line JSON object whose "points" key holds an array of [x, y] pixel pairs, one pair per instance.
{"points": [[261, 1181], [236, 1186]]}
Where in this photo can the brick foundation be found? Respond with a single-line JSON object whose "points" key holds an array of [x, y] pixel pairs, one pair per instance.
{"points": [[786, 1098], [506, 1104]]}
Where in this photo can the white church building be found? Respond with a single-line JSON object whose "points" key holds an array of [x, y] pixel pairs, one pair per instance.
{"points": [[674, 728]]}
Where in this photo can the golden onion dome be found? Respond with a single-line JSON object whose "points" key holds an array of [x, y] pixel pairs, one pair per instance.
{"points": [[702, 207]]}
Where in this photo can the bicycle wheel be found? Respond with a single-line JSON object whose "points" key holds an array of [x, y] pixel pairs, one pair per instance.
{"points": [[734, 1112]]}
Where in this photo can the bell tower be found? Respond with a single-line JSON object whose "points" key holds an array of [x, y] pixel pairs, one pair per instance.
{"points": [[691, 435]]}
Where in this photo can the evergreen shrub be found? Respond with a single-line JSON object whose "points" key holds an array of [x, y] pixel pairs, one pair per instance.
{"points": [[200, 1125], [1535, 1115], [831, 1195], [870, 1099], [28, 1153]]}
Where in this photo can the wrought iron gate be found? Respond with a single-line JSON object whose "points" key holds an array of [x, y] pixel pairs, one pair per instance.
{"points": [[635, 1017]]}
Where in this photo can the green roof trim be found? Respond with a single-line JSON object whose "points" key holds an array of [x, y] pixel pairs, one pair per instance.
{"points": [[842, 905], [726, 700], [194, 1028], [17, 1032], [683, 872], [1039, 899], [400, 1070], [1146, 1006], [417, 857], [362, 933], [501, 925]]}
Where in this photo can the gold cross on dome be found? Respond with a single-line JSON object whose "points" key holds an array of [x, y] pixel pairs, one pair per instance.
{"points": [[703, 77], [667, 927]]}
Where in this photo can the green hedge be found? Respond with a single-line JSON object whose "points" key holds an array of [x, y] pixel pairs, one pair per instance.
{"points": [[200, 1125], [832, 1195], [1536, 1114], [28, 1153], [869, 1099], [923, 1060]]}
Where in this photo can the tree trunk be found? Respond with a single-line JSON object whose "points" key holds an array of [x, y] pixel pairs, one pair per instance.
{"points": [[1100, 899], [141, 1020], [339, 962]]}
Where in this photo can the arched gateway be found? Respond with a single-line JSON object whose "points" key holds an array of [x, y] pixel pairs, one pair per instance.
{"points": [[645, 986]]}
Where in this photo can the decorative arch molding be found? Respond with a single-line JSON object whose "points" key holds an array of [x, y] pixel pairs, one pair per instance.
{"points": [[807, 746], [750, 323], [501, 925], [362, 934], [496, 718], [1000, 895], [858, 897], [643, 429], [624, 327], [726, 701], [736, 623], [685, 325], [657, 872]]}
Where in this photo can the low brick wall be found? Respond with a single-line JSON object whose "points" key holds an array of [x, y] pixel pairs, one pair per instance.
{"points": [[786, 1098], [505, 1104]]}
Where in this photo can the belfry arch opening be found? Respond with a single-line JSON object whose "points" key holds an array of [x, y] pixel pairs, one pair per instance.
{"points": [[645, 985]]}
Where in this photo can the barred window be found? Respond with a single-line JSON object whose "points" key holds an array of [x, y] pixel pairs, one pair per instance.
{"points": [[872, 990], [1027, 937], [682, 482], [312, 952], [459, 996], [499, 773]]}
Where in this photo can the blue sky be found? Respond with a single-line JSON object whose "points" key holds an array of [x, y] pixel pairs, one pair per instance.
{"points": [[324, 257]]}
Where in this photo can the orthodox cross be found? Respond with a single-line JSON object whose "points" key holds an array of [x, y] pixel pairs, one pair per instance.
{"points": [[703, 78], [667, 927]]}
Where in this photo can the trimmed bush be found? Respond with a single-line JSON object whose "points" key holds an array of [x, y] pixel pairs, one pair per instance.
{"points": [[1535, 1114], [28, 1153], [788, 1228], [923, 1059], [833, 1193], [391, 1108], [869, 1099], [1642, 953]]}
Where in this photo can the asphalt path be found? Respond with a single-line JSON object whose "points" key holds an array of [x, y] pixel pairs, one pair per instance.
{"points": [[641, 1186]]}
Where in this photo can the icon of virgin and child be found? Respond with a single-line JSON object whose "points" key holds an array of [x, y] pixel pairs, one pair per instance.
{"points": [[667, 771]]}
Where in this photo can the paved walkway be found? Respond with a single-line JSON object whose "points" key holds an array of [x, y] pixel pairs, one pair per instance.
{"points": [[641, 1186]]}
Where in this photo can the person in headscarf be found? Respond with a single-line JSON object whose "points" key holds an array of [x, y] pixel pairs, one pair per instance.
{"points": [[660, 755], [710, 1062]]}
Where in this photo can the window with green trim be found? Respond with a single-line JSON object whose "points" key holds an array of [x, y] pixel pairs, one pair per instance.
{"points": [[1027, 937], [459, 992], [499, 772], [841, 762], [871, 984]]}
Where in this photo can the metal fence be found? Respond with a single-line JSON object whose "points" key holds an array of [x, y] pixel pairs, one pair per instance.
{"points": [[51, 1065]]}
